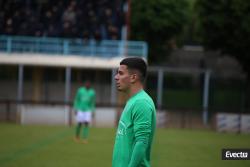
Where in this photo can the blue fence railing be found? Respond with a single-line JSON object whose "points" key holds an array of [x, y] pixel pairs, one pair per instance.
{"points": [[47, 45]]}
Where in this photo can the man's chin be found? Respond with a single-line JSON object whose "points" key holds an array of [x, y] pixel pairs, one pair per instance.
{"points": [[119, 89]]}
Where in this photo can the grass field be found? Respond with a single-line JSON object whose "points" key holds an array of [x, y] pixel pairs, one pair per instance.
{"points": [[53, 146]]}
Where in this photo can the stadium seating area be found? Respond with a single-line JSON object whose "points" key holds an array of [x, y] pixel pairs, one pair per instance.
{"points": [[86, 19]]}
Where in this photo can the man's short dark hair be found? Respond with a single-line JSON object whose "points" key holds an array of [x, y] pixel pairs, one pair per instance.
{"points": [[136, 63]]}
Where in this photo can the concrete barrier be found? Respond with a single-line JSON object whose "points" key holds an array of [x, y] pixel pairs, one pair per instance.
{"points": [[63, 115]]}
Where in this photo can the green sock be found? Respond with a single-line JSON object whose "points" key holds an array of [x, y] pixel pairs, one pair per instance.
{"points": [[78, 128], [85, 132]]}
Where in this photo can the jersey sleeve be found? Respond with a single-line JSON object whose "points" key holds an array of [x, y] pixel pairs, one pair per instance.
{"points": [[76, 101], [142, 118], [137, 154], [141, 115], [93, 101]]}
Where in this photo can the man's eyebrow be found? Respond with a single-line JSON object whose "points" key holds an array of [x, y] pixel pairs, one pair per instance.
{"points": [[119, 71]]}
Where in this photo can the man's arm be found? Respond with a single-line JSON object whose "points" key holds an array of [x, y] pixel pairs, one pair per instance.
{"points": [[138, 154], [142, 116], [75, 104], [93, 101]]}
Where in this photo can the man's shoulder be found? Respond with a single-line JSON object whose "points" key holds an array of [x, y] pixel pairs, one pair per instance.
{"points": [[144, 99], [81, 89], [91, 91], [144, 102], [144, 96]]}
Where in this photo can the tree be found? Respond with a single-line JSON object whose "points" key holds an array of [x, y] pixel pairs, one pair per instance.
{"points": [[160, 23], [226, 28]]}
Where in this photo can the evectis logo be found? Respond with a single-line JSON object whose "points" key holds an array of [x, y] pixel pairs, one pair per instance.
{"points": [[235, 154]]}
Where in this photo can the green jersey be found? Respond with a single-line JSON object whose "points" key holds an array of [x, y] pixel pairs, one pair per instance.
{"points": [[135, 132], [84, 100]]}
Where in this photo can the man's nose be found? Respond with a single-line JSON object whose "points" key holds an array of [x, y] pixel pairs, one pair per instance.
{"points": [[116, 77]]}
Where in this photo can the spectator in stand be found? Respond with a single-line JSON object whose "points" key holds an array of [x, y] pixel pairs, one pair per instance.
{"points": [[86, 19]]}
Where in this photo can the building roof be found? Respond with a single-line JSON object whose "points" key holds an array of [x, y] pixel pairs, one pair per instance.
{"points": [[59, 60]]}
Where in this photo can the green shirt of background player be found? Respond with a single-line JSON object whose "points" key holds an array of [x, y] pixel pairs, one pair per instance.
{"points": [[84, 105], [137, 124]]}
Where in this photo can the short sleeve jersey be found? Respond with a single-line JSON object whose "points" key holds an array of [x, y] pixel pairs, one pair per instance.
{"points": [[84, 100]]}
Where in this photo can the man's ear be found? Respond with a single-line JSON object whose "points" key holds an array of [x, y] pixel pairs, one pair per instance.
{"points": [[133, 78]]}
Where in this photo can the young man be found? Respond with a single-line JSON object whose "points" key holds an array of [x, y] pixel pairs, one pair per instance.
{"points": [[84, 105], [138, 120]]}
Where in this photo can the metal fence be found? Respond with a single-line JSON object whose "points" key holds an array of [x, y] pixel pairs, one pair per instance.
{"points": [[60, 46], [191, 98]]}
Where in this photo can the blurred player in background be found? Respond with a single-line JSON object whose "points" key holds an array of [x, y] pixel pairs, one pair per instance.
{"points": [[137, 124], [84, 105]]}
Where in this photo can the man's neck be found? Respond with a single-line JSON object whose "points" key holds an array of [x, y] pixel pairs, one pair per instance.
{"points": [[135, 89]]}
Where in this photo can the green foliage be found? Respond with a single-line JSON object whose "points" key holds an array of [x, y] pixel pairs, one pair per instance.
{"points": [[178, 81], [229, 99], [159, 22], [192, 29], [226, 27], [179, 99]]}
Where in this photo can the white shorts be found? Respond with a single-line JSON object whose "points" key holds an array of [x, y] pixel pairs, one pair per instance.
{"points": [[82, 117]]}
